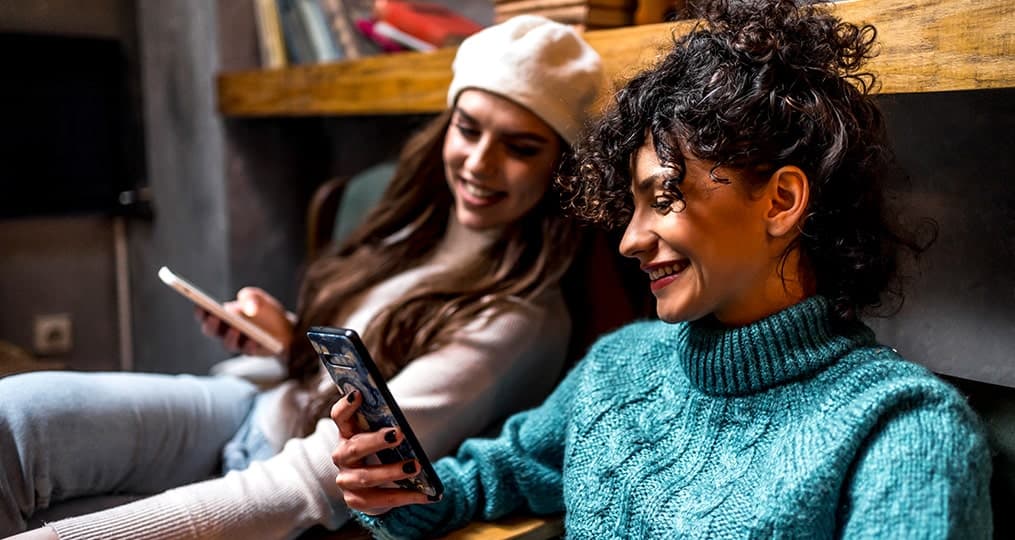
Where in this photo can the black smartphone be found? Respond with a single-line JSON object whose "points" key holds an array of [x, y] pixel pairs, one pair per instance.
{"points": [[349, 364]]}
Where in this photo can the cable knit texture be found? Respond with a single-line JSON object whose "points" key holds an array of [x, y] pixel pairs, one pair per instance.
{"points": [[796, 426]]}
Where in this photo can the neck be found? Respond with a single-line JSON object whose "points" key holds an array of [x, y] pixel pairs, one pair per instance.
{"points": [[788, 283], [461, 242]]}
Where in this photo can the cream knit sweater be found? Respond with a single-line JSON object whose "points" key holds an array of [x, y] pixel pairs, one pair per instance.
{"points": [[493, 368]]}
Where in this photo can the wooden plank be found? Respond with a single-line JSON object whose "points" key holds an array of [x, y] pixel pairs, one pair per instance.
{"points": [[517, 527], [926, 46]]}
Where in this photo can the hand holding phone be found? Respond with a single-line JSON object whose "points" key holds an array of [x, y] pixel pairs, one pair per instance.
{"points": [[373, 416], [259, 335]]}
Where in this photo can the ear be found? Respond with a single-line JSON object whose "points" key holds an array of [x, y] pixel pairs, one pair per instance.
{"points": [[789, 194]]}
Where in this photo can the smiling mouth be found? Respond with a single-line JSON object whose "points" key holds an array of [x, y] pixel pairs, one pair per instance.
{"points": [[667, 270], [476, 194]]}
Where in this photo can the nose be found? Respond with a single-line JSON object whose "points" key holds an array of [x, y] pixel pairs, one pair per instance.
{"points": [[480, 161], [638, 239]]}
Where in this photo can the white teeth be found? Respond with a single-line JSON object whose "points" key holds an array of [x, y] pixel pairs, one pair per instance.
{"points": [[478, 191], [664, 271]]}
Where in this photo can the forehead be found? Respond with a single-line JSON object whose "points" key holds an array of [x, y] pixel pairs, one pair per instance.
{"points": [[498, 112], [645, 167]]}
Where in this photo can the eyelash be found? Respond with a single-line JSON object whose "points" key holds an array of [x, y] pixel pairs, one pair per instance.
{"points": [[671, 200], [467, 131], [517, 150], [522, 151]]}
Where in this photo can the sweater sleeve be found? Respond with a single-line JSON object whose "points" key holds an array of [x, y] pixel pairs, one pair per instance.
{"points": [[489, 478], [493, 367], [923, 473]]}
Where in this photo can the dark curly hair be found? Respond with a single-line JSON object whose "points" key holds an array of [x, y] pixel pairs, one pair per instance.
{"points": [[760, 84]]}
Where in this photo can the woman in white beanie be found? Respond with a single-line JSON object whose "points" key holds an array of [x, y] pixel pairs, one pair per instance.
{"points": [[452, 281]]}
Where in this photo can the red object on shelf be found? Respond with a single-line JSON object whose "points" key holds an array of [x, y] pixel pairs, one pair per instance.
{"points": [[433, 23], [387, 45]]}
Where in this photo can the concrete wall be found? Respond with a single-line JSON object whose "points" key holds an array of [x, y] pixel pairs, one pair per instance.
{"points": [[65, 265], [959, 313]]}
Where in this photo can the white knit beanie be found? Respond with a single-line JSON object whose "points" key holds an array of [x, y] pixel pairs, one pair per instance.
{"points": [[540, 64]]}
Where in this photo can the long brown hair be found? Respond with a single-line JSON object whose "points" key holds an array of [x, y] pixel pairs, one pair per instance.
{"points": [[532, 254]]}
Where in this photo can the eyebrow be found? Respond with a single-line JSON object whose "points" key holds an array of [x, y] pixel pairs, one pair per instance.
{"points": [[646, 183], [526, 135]]}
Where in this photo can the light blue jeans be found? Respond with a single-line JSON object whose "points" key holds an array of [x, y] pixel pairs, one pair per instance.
{"points": [[66, 435]]}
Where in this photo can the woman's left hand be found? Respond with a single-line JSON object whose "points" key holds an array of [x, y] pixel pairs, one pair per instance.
{"points": [[361, 483]]}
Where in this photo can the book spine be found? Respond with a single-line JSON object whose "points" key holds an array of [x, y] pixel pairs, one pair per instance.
{"points": [[410, 41], [324, 47], [433, 23], [297, 42], [269, 34]]}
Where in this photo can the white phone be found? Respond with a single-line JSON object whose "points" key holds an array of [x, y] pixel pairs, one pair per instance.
{"points": [[206, 302]]}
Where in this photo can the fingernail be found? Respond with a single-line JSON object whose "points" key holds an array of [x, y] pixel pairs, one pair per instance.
{"points": [[352, 396], [390, 436], [409, 467], [249, 308]]}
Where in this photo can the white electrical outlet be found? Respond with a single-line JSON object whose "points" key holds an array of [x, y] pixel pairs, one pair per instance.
{"points": [[53, 334]]}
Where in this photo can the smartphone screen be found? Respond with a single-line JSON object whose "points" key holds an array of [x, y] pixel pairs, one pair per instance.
{"points": [[347, 361]]}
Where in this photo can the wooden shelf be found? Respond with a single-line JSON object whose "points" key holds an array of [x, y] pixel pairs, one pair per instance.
{"points": [[926, 46]]}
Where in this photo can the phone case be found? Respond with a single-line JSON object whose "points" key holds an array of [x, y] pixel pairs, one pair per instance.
{"points": [[213, 306], [351, 368]]}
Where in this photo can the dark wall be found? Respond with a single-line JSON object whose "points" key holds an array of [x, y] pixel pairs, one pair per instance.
{"points": [[959, 313], [59, 255]]}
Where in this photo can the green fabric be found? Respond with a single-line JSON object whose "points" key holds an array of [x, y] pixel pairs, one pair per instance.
{"points": [[361, 194], [792, 427]]}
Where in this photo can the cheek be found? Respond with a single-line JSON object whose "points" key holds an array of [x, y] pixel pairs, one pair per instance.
{"points": [[529, 184], [451, 152]]}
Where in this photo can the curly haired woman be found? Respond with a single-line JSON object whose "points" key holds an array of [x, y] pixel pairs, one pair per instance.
{"points": [[747, 167]]}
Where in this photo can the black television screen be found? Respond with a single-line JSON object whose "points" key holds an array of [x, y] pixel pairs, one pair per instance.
{"points": [[63, 107]]}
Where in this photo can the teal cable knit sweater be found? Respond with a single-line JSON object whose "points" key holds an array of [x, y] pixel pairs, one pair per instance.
{"points": [[792, 427]]}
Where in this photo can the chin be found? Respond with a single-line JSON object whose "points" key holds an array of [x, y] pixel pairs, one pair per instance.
{"points": [[472, 221], [676, 314]]}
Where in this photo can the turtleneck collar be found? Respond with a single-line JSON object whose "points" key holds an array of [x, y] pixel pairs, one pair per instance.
{"points": [[788, 345]]}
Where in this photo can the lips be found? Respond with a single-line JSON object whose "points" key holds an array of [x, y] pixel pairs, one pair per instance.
{"points": [[475, 194], [663, 274]]}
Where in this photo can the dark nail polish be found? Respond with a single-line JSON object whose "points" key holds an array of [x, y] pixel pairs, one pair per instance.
{"points": [[390, 436], [351, 397], [409, 467]]}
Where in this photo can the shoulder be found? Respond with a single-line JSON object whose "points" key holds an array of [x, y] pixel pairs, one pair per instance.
{"points": [[881, 370], [877, 382], [633, 349], [643, 336]]}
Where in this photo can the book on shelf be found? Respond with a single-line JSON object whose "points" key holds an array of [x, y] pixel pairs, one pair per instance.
{"points": [[433, 23], [366, 27], [322, 44], [270, 41], [343, 19], [297, 40], [403, 38]]}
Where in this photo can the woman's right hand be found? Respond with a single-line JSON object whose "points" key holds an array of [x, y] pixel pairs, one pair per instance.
{"points": [[363, 484], [258, 307]]}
